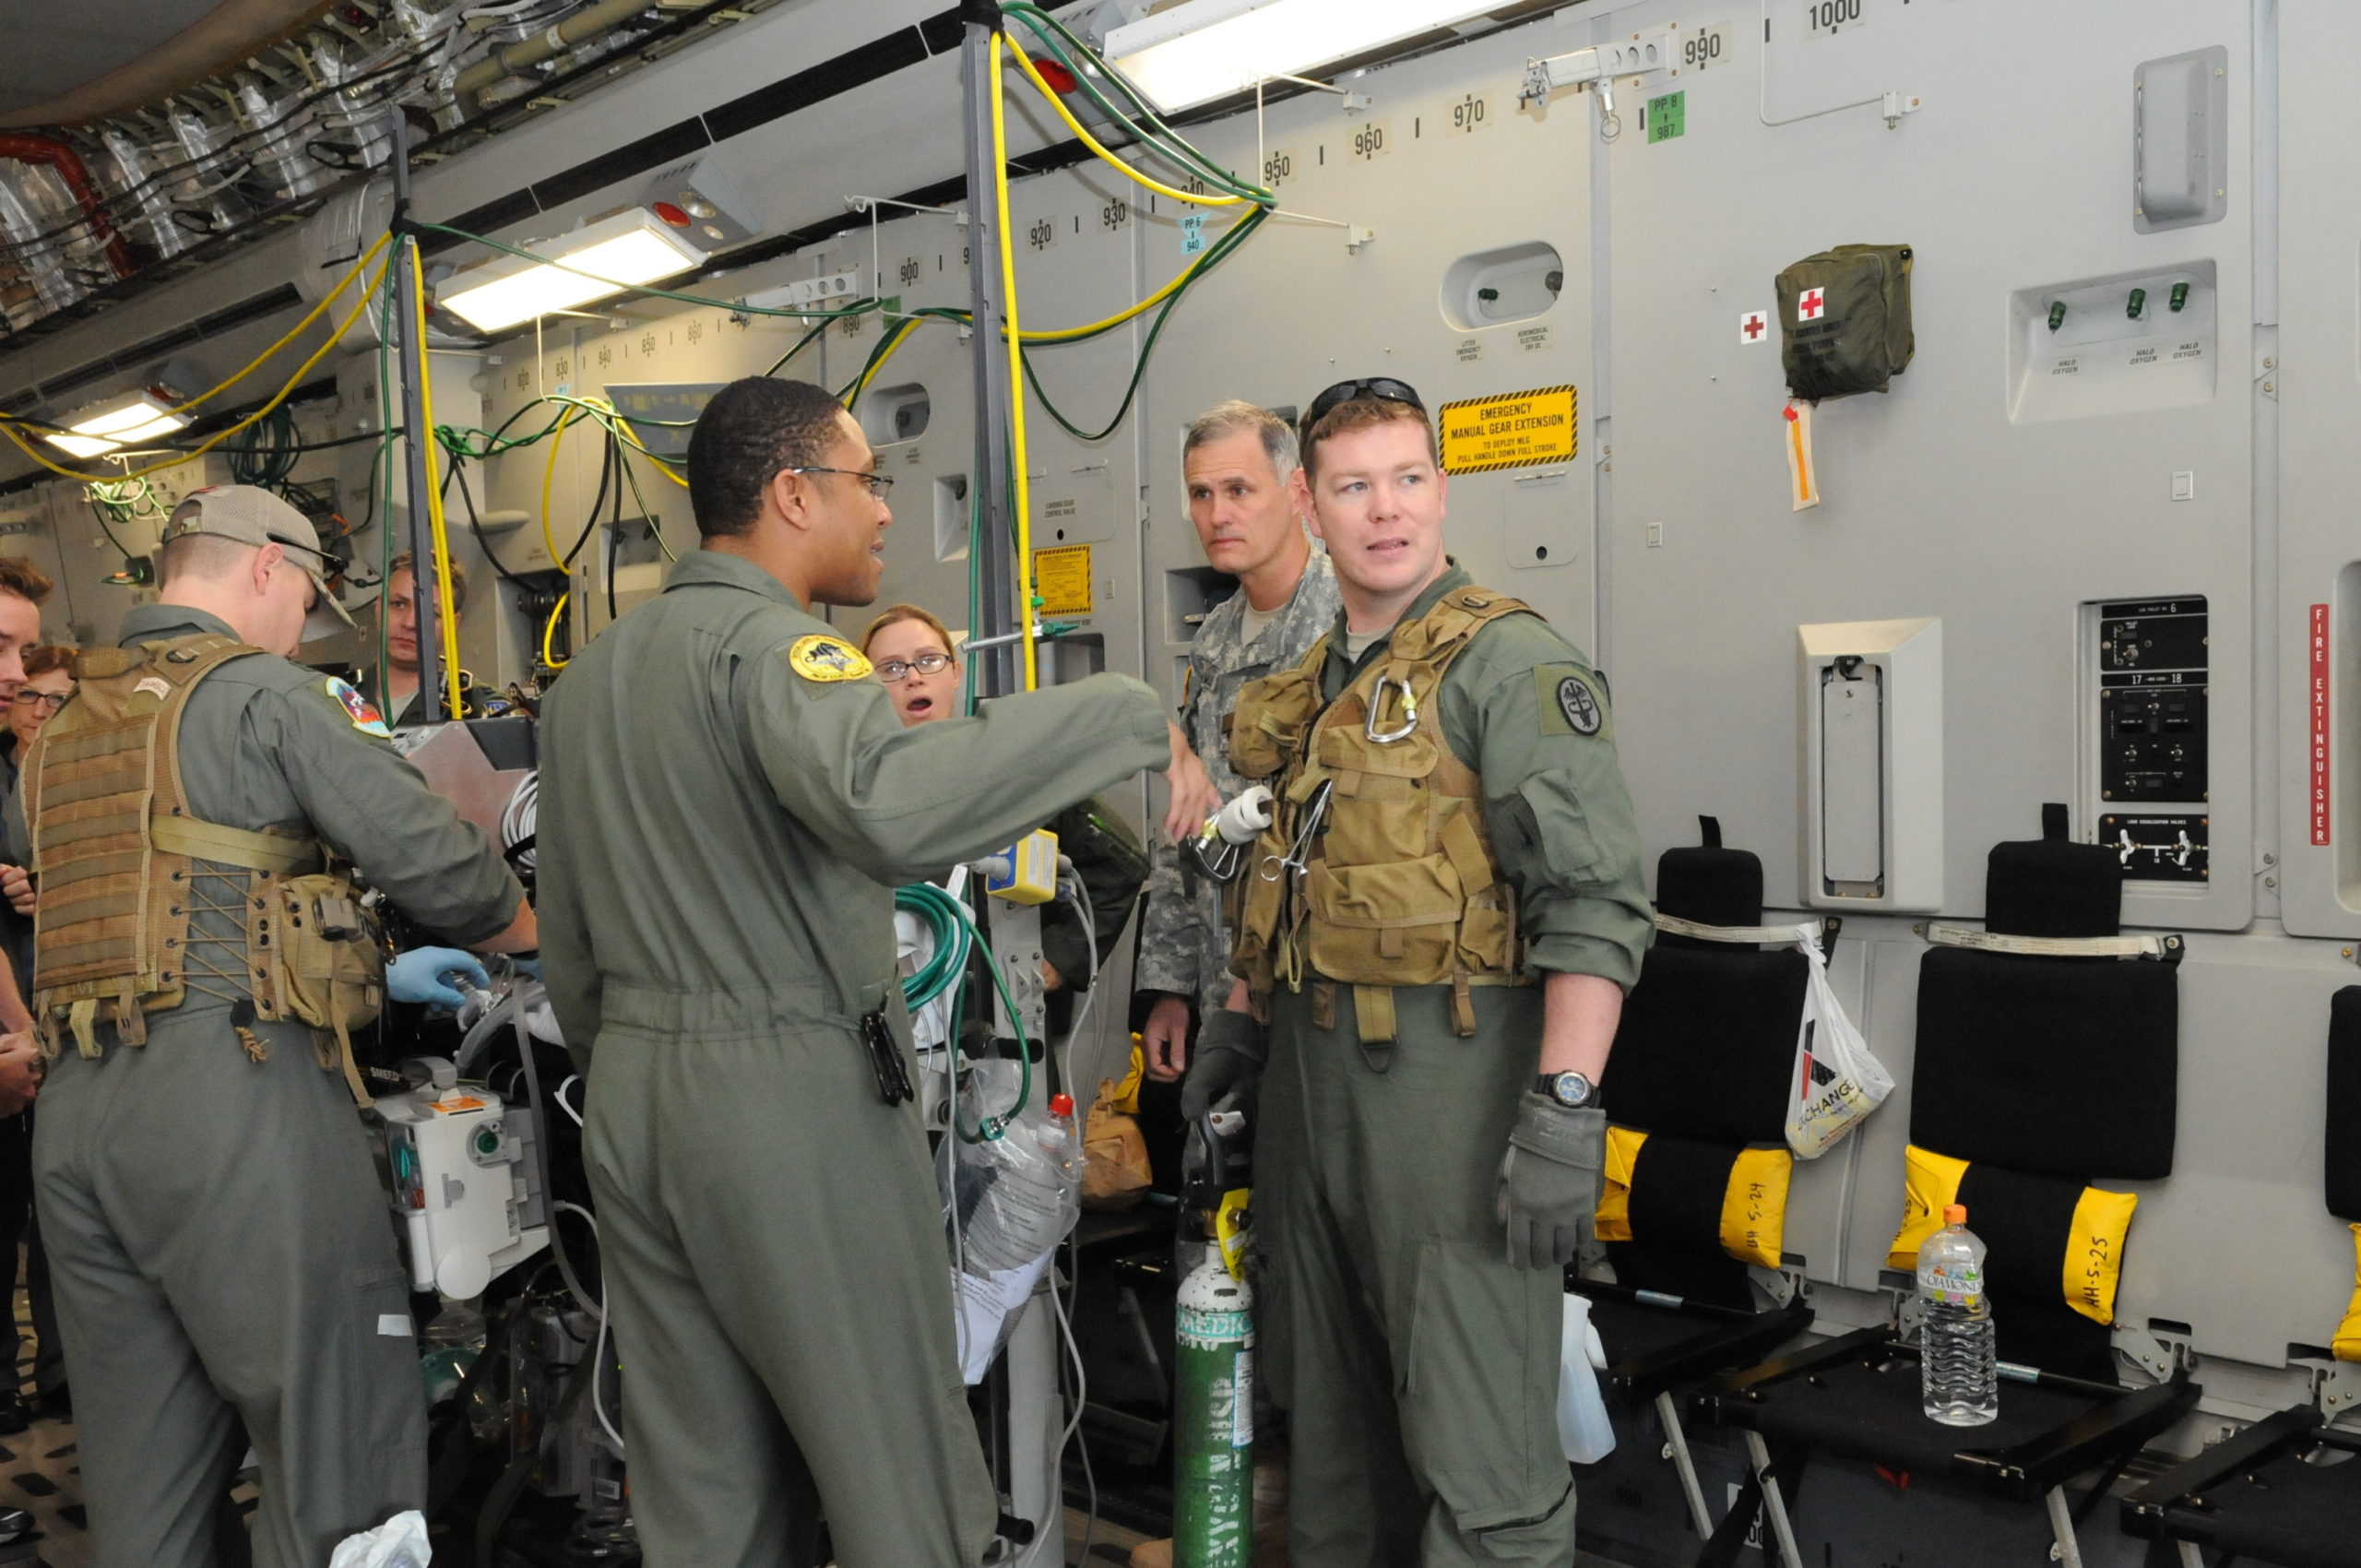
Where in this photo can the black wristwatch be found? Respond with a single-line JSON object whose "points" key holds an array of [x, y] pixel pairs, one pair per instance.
{"points": [[1570, 1089]]}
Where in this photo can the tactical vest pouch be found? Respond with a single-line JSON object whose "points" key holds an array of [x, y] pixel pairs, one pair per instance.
{"points": [[1391, 924], [318, 958], [1844, 320], [1268, 722]]}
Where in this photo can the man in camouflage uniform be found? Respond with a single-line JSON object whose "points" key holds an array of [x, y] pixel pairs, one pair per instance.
{"points": [[1239, 462]]}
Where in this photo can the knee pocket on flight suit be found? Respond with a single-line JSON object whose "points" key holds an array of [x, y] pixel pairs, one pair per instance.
{"points": [[1478, 1387], [1537, 1533], [382, 1360]]}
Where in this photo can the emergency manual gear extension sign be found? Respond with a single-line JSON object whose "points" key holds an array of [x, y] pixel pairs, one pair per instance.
{"points": [[1515, 430]]}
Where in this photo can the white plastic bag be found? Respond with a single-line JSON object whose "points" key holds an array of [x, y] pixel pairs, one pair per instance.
{"points": [[1837, 1082], [399, 1542], [1584, 1431]]}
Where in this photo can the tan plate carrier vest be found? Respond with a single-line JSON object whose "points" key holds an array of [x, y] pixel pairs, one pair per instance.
{"points": [[1398, 887], [113, 843]]}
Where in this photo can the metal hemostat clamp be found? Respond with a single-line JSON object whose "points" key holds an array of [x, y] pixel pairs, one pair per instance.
{"points": [[1377, 706], [1315, 817]]}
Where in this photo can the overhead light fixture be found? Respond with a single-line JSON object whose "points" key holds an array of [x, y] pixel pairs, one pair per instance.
{"points": [[143, 415], [595, 262], [1201, 50]]}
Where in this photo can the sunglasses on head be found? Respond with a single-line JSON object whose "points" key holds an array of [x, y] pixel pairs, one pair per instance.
{"points": [[1385, 390]]}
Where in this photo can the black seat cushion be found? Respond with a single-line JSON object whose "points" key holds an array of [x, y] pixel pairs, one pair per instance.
{"points": [[2053, 886], [2291, 1511], [2025, 1223], [1678, 1190], [1875, 1411], [2063, 1067], [1708, 1041], [2344, 1104], [1708, 884]]}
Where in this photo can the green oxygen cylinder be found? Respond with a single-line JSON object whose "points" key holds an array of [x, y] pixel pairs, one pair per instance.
{"points": [[1213, 1419]]}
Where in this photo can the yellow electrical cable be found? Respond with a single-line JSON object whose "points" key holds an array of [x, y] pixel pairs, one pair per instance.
{"points": [[549, 630], [1015, 366], [549, 479], [292, 334], [447, 622], [285, 392], [1025, 65]]}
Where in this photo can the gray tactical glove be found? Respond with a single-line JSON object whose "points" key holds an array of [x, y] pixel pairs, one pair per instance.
{"points": [[1229, 1061], [1548, 1191]]}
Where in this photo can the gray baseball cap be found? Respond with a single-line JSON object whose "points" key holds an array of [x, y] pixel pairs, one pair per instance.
{"points": [[251, 514]]}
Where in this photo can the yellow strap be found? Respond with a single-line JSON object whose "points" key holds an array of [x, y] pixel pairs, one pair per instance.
{"points": [[361, 1096], [1373, 1013], [82, 1015], [234, 846]]}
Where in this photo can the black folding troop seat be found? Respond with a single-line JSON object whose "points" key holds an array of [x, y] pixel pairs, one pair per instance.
{"points": [[2288, 1490], [2046, 1056], [1696, 1091]]}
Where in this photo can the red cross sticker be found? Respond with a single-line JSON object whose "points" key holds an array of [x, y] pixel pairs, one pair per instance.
{"points": [[1809, 306], [1752, 326]]}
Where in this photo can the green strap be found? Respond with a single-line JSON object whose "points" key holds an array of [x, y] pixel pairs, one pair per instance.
{"points": [[234, 846]]}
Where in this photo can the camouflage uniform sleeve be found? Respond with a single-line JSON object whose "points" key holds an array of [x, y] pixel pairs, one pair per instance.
{"points": [[1172, 939], [1530, 713], [366, 799]]}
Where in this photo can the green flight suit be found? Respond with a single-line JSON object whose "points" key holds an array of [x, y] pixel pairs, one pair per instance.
{"points": [[720, 837], [221, 1248], [1419, 1370]]}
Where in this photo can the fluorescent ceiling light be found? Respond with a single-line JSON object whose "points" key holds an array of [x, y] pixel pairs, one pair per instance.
{"points": [[120, 421], [599, 259], [1202, 50]]}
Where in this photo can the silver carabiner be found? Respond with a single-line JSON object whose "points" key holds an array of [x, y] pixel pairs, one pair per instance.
{"points": [[1377, 705]]}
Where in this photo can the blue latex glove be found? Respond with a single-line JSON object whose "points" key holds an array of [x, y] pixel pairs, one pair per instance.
{"points": [[426, 974]]}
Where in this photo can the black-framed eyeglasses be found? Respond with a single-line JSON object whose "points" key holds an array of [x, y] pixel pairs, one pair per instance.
{"points": [[877, 484], [929, 663], [53, 701], [309, 549], [1384, 388]]}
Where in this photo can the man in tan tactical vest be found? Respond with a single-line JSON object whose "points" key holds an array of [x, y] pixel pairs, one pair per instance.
{"points": [[224, 1268], [1438, 935]]}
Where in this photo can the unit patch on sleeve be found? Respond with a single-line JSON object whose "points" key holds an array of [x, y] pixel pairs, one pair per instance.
{"points": [[821, 658], [362, 712], [1569, 701]]}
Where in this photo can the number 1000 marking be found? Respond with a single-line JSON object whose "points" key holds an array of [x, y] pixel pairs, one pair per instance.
{"points": [[1827, 16]]}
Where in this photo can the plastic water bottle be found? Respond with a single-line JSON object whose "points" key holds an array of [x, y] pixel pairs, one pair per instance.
{"points": [[1958, 1376]]}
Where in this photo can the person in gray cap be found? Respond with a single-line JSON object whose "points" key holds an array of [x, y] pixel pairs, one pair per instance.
{"points": [[225, 1272]]}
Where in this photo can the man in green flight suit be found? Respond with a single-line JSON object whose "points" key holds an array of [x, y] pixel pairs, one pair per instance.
{"points": [[224, 1269], [1441, 965], [727, 801]]}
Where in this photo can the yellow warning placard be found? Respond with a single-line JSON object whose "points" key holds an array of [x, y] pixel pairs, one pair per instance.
{"points": [[1514, 430], [1061, 579]]}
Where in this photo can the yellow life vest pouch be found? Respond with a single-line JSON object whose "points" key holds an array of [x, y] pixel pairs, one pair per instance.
{"points": [[1377, 871], [118, 854]]}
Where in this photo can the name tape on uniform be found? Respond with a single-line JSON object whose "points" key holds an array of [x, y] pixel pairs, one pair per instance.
{"points": [[1062, 579], [1515, 430]]}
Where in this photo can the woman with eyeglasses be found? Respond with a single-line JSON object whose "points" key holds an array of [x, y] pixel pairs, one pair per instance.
{"points": [[912, 652], [48, 682]]}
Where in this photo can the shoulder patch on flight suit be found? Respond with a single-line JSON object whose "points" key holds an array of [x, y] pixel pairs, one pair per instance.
{"points": [[1569, 701], [819, 658], [360, 709]]}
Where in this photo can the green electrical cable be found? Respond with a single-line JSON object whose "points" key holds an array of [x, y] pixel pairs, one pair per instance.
{"points": [[956, 940]]}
